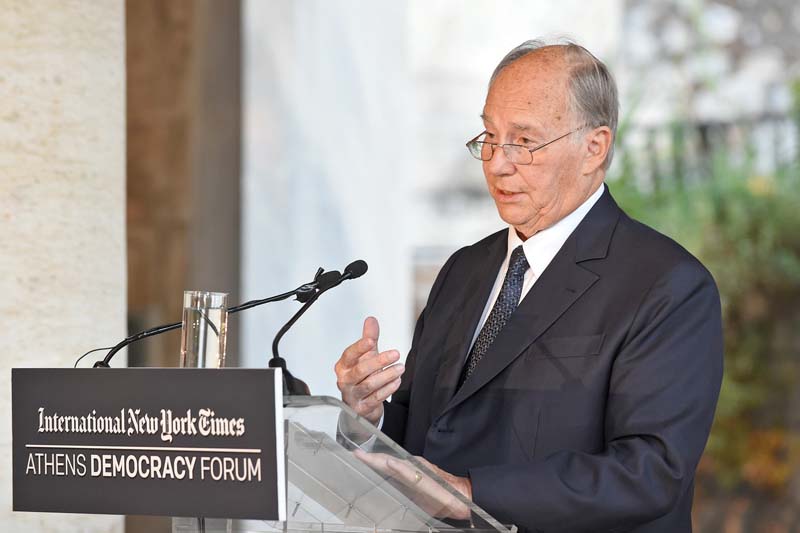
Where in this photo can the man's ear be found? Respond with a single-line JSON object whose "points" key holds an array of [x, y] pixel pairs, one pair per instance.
{"points": [[598, 143]]}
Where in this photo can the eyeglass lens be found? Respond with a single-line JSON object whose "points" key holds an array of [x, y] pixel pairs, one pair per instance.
{"points": [[515, 154]]}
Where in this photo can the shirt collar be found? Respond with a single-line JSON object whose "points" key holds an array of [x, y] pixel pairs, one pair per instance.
{"points": [[543, 246]]}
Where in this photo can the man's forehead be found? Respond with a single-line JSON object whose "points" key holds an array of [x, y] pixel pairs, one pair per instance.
{"points": [[528, 110], [524, 92], [505, 106], [535, 85], [518, 119]]}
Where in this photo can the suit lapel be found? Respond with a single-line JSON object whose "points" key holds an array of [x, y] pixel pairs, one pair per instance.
{"points": [[476, 292], [561, 284]]}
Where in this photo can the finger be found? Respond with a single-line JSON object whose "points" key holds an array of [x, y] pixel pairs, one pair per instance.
{"points": [[436, 499], [377, 380], [405, 473], [376, 398], [353, 353], [369, 363], [432, 468], [371, 456], [371, 329], [376, 461], [367, 343], [362, 455], [427, 464]]}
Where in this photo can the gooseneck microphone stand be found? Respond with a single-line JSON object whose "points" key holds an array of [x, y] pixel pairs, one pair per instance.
{"points": [[292, 385]]}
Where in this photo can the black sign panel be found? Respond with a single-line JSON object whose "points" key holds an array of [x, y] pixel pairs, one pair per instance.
{"points": [[175, 442]]}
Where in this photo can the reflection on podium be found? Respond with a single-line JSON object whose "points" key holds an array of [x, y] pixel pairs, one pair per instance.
{"points": [[335, 481]]}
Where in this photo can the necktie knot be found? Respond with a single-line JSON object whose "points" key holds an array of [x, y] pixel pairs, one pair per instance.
{"points": [[518, 263]]}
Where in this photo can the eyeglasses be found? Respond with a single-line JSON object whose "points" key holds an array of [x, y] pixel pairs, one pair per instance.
{"points": [[516, 153]]}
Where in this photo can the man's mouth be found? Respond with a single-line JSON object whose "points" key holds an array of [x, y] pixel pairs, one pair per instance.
{"points": [[502, 194]]}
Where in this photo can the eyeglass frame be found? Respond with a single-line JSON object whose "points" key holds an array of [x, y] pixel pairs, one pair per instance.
{"points": [[503, 146]]}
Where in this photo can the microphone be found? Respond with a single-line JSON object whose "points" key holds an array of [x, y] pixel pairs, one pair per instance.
{"points": [[303, 293], [292, 385], [356, 269]]}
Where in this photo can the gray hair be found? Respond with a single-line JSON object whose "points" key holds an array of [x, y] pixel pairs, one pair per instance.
{"points": [[592, 90]]}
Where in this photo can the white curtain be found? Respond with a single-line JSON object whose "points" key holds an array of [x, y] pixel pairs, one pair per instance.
{"points": [[326, 109]]}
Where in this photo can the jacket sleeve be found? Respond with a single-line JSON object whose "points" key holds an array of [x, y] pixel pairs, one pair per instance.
{"points": [[395, 411], [663, 390]]}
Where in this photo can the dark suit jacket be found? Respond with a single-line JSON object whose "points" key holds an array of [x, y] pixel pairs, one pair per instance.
{"points": [[593, 405]]}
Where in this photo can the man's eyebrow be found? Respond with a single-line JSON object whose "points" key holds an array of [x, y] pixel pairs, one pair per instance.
{"points": [[485, 118], [525, 127]]}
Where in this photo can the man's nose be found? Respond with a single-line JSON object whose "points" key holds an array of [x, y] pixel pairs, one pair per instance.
{"points": [[499, 164]]}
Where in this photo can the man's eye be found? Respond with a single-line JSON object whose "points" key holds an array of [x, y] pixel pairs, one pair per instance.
{"points": [[526, 142]]}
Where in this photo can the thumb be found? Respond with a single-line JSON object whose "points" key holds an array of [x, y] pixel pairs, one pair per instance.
{"points": [[371, 330]]}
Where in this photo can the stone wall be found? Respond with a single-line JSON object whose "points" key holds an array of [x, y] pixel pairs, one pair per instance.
{"points": [[62, 202]]}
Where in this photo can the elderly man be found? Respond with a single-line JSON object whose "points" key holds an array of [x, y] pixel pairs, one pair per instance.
{"points": [[564, 372]]}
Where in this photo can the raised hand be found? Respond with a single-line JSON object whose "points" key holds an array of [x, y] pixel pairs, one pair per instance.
{"points": [[366, 377]]}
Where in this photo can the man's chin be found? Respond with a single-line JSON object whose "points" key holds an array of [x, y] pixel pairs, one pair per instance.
{"points": [[513, 215], [523, 224]]}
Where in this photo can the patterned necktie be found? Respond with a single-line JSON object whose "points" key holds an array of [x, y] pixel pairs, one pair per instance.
{"points": [[505, 305]]}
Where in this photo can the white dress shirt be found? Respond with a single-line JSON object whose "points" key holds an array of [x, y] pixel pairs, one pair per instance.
{"points": [[539, 250]]}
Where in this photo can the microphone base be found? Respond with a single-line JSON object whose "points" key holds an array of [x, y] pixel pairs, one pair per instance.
{"points": [[292, 386]]}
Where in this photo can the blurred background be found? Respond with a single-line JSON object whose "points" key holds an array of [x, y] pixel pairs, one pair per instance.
{"points": [[153, 146]]}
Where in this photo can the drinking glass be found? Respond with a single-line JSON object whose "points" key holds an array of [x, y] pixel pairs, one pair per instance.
{"points": [[203, 332], [205, 324]]}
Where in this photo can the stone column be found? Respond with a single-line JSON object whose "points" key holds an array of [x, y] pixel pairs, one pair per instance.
{"points": [[183, 116], [62, 202]]}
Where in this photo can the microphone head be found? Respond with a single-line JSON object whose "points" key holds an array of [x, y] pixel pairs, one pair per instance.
{"points": [[356, 269], [328, 280]]}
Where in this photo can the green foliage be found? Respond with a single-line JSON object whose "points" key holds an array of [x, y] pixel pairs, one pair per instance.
{"points": [[745, 228]]}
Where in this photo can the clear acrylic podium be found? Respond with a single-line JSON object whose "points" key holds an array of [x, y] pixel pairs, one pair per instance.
{"points": [[338, 481]]}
